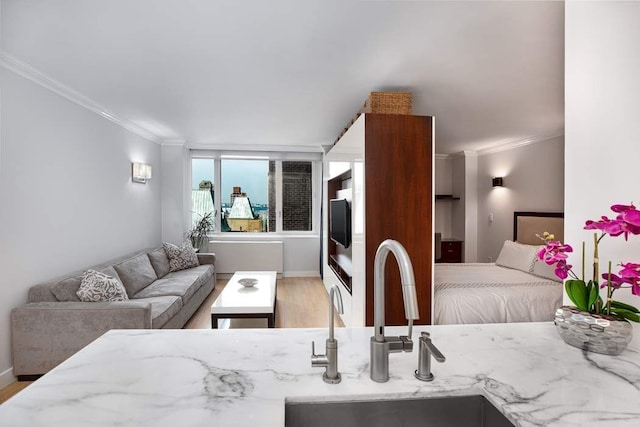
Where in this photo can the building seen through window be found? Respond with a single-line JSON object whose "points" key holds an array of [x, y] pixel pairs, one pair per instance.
{"points": [[254, 195], [202, 189]]}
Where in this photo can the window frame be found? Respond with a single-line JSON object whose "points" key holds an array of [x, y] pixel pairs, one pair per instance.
{"points": [[316, 186]]}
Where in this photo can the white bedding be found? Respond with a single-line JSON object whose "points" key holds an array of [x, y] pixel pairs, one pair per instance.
{"points": [[486, 293]]}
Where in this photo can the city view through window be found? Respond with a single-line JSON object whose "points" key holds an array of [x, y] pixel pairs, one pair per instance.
{"points": [[248, 197]]}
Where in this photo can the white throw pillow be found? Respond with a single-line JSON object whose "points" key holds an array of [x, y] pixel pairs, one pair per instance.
{"points": [[96, 287], [541, 269], [517, 256], [181, 257]]}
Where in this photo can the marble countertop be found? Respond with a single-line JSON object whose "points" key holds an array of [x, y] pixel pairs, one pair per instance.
{"points": [[243, 377]]}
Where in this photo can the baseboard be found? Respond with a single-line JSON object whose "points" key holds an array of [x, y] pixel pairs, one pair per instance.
{"points": [[300, 274], [7, 378]]}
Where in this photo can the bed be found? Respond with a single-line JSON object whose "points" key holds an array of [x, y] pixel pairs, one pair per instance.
{"points": [[516, 288]]}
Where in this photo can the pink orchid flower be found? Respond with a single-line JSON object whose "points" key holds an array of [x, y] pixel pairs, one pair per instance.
{"points": [[622, 208], [627, 222], [562, 269], [630, 273], [616, 281], [554, 252]]}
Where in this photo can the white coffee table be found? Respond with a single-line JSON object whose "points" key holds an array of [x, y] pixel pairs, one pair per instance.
{"points": [[237, 301]]}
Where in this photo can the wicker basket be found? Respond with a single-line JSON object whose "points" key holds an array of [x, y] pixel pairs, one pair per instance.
{"points": [[388, 103]]}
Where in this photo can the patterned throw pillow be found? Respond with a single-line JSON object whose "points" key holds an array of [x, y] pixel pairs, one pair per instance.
{"points": [[96, 286], [181, 257]]}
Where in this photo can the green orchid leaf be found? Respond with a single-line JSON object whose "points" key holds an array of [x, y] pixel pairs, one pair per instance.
{"points": [[569, 290], [577, 292], [618, 304], [593, 293], [629, 315]]}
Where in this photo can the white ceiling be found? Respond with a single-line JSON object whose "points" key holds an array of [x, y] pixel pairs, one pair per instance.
{"points": [[281, 73]]}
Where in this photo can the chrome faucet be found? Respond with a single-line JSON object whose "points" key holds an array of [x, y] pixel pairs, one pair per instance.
{"points": [[423, 373], [381, 345], [330, 359]]}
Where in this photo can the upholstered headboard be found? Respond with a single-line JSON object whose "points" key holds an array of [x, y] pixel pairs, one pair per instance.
{"points": [[527, 224]]}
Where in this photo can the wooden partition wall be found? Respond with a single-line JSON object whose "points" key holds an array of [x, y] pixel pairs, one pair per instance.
{"points": [[398, 205]]}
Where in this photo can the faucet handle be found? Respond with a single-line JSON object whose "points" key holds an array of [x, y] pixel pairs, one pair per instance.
{"points": [[407, 343], [427, 349], [426, 340], [318, 360]]}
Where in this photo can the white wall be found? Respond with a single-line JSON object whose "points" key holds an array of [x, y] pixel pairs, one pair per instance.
{"points": [[461, 214], [443, 185], [602, 126], [176, 192], [66, 196], [458, 211], [470, 246], [533, 181]]}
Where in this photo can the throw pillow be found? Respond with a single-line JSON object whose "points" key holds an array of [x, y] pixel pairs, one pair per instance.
{"points": [[181, 257], [96, 286], [159, 262], [517, 256]]}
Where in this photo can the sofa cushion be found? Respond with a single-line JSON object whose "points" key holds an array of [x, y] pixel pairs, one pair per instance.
{"points": [[162, 309], [201, 273], [183, 287], [65, 289], [181, 257], [97, 287], [159, 261], [205, 272], [136, 273], [183, 283]]}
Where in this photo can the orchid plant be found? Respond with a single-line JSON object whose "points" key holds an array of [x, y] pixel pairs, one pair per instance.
{"points": [[585, 294]]}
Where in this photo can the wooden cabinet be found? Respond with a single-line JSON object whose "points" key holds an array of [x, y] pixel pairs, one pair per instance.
{"points": [[390, 159], [451, 250]]}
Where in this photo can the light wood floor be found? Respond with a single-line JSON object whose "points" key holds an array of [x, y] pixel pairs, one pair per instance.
{"points": [[302, 303]]}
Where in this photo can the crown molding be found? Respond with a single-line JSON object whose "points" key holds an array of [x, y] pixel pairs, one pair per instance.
{"points": [[256, 147], [27, 71], [517, 143], [463, 154], [502, 146], [174, 142]]}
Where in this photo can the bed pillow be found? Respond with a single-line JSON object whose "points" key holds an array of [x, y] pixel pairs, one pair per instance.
{"points": [[541, 269], [517, 256]]}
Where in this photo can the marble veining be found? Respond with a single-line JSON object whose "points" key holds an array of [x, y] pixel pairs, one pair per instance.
{"points": [[243, 377]]}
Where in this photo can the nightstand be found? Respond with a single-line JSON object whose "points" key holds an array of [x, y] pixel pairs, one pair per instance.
{"points": [[451, 250]]}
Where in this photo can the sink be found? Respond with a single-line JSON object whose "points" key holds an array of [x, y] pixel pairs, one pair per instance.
{"points": [[450, 411]]}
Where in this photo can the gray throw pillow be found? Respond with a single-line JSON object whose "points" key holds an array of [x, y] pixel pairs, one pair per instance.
{"points": [[181, 257], [96, 286], [136, 273], [159, 261]]}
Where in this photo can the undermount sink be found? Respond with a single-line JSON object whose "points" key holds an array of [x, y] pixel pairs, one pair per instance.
{"points": [[451, 411]]}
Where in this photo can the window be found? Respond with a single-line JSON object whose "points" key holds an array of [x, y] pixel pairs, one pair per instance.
{"points": [[297, 207], [245, 195], [202, 188], [256, 195]]}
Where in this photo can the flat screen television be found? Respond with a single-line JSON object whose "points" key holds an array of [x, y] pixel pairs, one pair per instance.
{"points": [[340, 222]]}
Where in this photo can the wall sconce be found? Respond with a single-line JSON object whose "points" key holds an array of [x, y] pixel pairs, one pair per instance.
{"points": [[140, 172], [497, 182]]}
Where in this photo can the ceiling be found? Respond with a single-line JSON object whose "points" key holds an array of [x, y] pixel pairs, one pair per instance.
{"points": [[247, 74]]}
